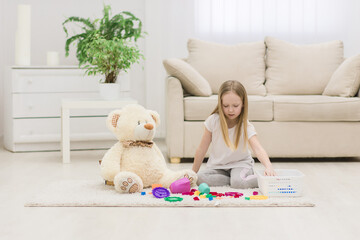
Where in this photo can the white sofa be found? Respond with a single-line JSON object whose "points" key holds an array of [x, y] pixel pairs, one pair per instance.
{"points": [[303, 99]]}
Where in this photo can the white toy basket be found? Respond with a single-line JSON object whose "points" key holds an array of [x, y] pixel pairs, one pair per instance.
{"points": [[286, 183]]}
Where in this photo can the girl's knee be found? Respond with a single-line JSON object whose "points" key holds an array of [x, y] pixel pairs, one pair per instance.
{"points": [[201, 178], [243, 184], [237, 183]]}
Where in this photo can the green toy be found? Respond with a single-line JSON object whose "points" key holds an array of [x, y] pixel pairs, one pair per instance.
{"points": [[173, 199], [204, 188]]}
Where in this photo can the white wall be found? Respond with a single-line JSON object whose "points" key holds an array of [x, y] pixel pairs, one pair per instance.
{"points": [[169, 24], [47, 34]]}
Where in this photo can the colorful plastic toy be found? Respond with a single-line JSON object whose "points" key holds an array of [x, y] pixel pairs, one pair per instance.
{"points": [[180, 186], [255, 193], [196, 199], [233, 194], [160, 192], [173, 199], [143, 193], [156, 185], [204, 188], [187, 193], [259, 197]]}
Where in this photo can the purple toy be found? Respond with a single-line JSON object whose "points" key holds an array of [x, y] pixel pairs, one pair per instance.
{"points": [[180, 186], [160, 192]]}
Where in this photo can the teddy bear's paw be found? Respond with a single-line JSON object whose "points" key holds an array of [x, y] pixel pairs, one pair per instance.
{"points": [[129, 184], [192, 178]]}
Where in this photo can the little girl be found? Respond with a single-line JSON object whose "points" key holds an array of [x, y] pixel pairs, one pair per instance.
{"points": [[230, 161]]}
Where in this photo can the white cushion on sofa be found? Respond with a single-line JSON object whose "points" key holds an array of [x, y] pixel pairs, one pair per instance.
{"points": [[345, 81], [191, 80], [315, 108], [300, 69], [217, 63]]}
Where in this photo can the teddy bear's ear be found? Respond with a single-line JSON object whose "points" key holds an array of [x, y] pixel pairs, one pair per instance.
{"points": [[112, 119], [155, 116]]}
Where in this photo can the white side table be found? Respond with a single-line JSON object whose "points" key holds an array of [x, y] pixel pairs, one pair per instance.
{"points": [[68, 104]]}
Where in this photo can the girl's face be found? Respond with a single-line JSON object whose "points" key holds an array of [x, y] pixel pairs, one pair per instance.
{"points": [[231, 105]]}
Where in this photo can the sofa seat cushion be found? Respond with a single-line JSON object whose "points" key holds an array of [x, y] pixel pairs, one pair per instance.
{"points": [[199, 108], [317, 108]]}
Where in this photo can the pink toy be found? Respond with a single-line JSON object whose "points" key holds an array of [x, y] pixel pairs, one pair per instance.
{"points": [[180, 186], [255, 193]]}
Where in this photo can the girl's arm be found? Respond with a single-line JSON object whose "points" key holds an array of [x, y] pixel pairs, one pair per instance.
{"points": [[201, 150], [261, 154]]}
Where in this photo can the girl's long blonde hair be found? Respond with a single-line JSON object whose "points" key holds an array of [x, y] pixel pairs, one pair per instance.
{"points": [[237, 88]]}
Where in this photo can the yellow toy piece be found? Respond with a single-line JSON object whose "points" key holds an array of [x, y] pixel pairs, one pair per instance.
{"points": [[202, 196], [258, 197], [197, 193]]}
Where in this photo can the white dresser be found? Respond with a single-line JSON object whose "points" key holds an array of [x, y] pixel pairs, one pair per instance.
{"points": [[32, 109]]}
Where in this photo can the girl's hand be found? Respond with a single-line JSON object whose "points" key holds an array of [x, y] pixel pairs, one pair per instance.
{"points": [[269, 172]]}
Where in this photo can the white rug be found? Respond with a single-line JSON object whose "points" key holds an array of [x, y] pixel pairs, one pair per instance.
{"points": [[94, 193]]}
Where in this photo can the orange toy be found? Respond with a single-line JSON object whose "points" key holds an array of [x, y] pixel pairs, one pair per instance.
{"points": [[156, 185]]}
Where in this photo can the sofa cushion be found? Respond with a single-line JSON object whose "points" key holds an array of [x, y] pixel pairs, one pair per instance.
{"points": [[199, 108], [190, 79], [345, 81], [300, 69], [218, 63], [316, 108]]}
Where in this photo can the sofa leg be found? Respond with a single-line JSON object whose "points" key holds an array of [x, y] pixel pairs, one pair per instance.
{"points": [[174, 160]]}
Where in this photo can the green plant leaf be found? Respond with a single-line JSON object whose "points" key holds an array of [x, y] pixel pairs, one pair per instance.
{"points": [[106, 46]]}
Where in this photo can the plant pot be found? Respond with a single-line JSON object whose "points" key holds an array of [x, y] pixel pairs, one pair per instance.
{"points": [[109, 91]]}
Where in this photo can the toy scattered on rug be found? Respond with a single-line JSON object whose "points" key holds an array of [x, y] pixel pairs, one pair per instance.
{"points": [[173, 199], [135, 162], [180, 186], [203, 192], [160, 192], [204, 188]]}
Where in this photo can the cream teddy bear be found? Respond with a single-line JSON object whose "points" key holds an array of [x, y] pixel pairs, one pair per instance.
{"points": [[135, 162]]}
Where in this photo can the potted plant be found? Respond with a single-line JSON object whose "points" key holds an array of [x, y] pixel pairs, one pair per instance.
{"points": [[106, 46]]}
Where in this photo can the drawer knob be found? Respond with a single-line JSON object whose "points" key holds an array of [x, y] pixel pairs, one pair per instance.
{"points": [[31, 106], [30, 81]]}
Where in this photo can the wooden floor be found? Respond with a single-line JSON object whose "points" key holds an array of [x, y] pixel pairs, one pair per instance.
{"points": [[333, 184]]}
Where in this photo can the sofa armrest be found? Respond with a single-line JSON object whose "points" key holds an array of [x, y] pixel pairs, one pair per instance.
{"points": [[174, 117]]}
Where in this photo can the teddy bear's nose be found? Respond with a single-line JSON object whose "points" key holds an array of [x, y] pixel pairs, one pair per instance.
{"points": [[148, 126]]}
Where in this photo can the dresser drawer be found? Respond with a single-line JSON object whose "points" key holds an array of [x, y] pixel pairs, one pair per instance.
{"points": [[53, 80], [49, 130], [27, 105]]}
